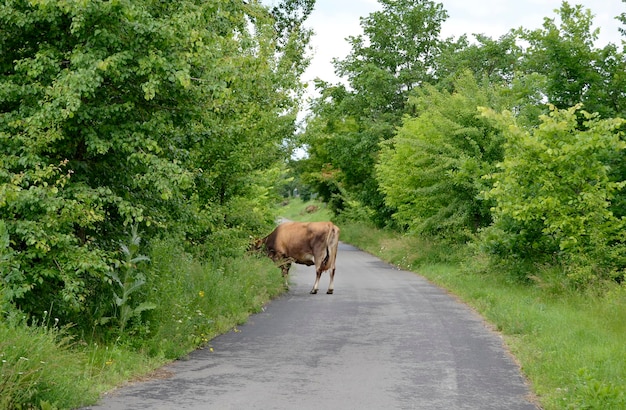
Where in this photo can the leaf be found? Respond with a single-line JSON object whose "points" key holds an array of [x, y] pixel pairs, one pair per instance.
{"points": [[140, 258], [143, 307], [4, 237], [118, 301]]}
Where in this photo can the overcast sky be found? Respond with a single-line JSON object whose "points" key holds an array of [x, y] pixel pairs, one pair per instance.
{"points": [[335, 20]]}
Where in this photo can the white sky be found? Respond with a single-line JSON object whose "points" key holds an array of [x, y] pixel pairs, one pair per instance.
{"points": [[334, 20]]}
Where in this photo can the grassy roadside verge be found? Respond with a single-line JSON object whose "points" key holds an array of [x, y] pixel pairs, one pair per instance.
{"points": [[42, 366], [571, 346]]}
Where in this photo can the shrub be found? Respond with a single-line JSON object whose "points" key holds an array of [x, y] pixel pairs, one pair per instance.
{"points": [[432, 170], [553, 192]]}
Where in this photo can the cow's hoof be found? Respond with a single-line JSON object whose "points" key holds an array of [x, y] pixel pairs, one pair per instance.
{"points": [[330, 292], [314, 291]]}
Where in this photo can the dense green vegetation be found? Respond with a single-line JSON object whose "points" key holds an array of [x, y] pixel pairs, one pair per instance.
{"points": [[48, 365], [170, 117], [143, 143], [514, 144]]}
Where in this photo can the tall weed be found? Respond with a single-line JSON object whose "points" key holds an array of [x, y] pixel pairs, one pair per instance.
{"points": [[127, 279]]}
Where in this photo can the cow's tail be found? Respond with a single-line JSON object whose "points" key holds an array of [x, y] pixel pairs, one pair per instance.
{"points": [[332, 242]]}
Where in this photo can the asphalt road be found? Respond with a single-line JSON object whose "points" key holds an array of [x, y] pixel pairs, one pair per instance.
{"points": [[387, 339]]}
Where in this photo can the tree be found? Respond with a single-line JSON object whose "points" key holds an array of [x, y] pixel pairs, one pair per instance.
{"points": [[575, 70], [112, 114], [622, 18], [433, 170], [289, 16], [553, 192], [497, 60], [395, 54]]}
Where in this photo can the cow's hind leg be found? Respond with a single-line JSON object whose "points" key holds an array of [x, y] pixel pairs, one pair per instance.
{"points": [[318, 274], [331, 285]]}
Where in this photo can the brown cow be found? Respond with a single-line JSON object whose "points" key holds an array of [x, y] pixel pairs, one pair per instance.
{"points": [[306, 243]]}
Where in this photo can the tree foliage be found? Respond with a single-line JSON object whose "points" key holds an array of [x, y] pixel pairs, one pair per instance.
{"points": [[564, 51], [403, 142], [497, 60], [622, 18], [432, 170], [114, 113], [554, 190], [394, 55]]}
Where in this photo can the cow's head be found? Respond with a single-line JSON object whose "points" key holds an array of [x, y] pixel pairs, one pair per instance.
{"points": [[256, 245]]}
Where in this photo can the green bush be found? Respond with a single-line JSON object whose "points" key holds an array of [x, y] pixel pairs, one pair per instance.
{"points": [[167, 117], [553, 194], [45, 262], [432, 170]]}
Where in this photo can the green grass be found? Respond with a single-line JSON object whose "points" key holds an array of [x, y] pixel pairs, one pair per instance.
{"points": [[204, 299], [35, 365], [196, 299], [44, 367], [571, 346]]}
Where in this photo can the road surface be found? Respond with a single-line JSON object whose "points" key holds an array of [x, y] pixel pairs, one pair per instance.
{"points": [[387, 339]]}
